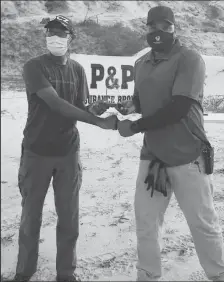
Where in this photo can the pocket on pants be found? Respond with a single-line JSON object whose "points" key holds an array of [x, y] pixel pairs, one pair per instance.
{"points": [[22, 176]]}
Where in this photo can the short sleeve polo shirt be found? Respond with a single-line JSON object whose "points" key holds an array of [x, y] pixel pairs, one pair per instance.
{"points": [[181, 72]]}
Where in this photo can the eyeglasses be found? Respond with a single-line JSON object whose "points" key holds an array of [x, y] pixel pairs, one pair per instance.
{"points": [[58, 32], [163, 26]]}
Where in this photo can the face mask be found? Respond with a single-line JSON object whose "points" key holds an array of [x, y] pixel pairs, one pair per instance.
{"points": [[56, 45], [160, 41]]}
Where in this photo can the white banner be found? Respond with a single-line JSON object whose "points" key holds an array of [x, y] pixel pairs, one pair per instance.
{"points": [[110, 78]]}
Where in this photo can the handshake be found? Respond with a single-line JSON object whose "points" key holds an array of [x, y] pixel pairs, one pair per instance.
{"points": [[126, 127]]}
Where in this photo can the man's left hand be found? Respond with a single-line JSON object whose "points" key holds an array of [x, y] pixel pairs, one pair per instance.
{"points": [[124, 128], [98, 108]]}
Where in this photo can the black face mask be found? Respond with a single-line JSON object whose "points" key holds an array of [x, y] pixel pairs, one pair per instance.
{"points": [[166, 40]]}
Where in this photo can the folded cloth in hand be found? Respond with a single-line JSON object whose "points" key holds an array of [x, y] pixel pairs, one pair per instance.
{"points": [[157, 177]]}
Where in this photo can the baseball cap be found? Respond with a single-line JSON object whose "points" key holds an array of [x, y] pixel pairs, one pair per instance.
{"points": [[65, 22], [160, 13]]}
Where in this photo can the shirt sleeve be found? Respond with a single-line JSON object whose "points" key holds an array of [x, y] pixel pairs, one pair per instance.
{"points": [[135, 97], [190, 76], [83, 90], [34, 78], [172, 113]]}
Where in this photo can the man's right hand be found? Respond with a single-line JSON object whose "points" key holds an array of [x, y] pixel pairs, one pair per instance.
{"points": [[126, 107], [108, 122]]}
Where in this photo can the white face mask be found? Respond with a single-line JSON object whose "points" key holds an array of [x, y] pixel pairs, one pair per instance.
{"points": [[58, 46]]}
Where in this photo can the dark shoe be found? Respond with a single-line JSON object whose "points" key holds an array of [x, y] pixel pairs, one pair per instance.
{"points": [[19, 277], [68, 278]]}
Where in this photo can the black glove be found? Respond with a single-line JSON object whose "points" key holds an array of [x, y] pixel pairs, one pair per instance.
{"points": [[157, 177]]}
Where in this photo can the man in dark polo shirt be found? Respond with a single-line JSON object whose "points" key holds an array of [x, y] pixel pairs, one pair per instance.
{"points": [[56, 89], [176, 155]]}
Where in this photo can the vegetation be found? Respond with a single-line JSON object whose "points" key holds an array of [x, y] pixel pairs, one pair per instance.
{"points": [[22, 42], [22, 35], [214, 104]]}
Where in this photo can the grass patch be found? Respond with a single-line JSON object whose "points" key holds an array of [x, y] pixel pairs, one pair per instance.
{"points": [[118, 40], [22, 42]]}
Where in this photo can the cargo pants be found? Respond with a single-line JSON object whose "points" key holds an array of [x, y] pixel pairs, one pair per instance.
{"points": [[194, 193], [35, 174]]}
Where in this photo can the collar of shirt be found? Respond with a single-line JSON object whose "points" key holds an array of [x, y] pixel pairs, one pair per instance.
{"points": [[163, 56], [59, 61]]}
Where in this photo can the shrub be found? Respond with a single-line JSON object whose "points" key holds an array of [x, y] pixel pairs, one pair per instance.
{"points": [[114, 6], [214, 103], [21, 43], [89, 22], [210, 24], [56, 6], [116, 40], [214, 12], [220, 29]]}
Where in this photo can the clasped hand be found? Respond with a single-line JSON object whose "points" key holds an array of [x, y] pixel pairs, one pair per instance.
{"points": [[112, 122], [124, 128]]}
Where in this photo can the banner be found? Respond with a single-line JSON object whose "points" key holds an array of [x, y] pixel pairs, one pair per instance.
{"points": [[110, 78]]}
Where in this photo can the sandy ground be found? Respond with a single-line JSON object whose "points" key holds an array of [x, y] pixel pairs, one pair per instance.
{"points": [[107, 242]]}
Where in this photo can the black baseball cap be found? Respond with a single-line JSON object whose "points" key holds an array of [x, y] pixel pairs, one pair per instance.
{"points": [[160, 13], [62, 20]]}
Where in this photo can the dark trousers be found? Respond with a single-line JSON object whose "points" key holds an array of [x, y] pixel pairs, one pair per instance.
{"points": [[35, 174]]}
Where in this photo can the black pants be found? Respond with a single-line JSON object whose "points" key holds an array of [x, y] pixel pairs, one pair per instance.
{"points": [[35, 174]]}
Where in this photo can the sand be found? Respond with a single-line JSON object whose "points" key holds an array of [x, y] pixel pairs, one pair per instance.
{"points": [[107, 242]]}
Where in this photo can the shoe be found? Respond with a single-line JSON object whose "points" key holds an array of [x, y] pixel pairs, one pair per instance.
{"points": [[71, 278], [19, 277]]}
